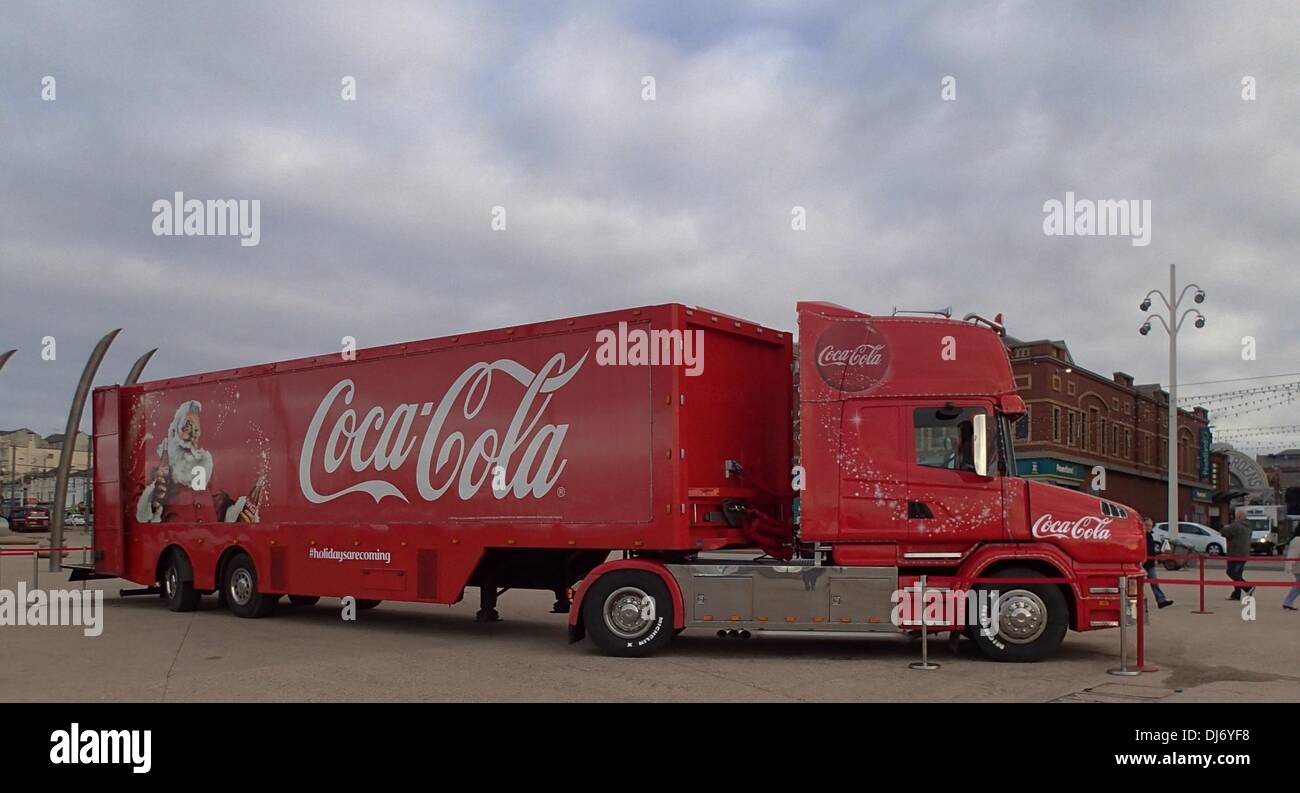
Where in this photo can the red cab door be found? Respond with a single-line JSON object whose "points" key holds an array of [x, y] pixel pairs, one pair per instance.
{"points": [[949, 506]]}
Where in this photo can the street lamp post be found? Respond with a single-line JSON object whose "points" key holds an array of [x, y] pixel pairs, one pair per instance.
{"points": [[1172, 326]]}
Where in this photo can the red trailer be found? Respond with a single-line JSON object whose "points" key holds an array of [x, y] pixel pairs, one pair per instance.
{"points": [[527, 457]]}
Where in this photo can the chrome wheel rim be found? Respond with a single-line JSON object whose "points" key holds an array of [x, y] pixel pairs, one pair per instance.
{"points": [[629, 612], [241, 586], [171, 583], [1022, 616]]}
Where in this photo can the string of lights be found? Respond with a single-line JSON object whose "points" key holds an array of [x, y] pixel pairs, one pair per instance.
{"points": [[1241, 393], [1253, 406], [1277, 429]]}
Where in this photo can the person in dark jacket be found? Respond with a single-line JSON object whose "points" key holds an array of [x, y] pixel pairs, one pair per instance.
{"points": [[1153, 550], [1238, 536]]}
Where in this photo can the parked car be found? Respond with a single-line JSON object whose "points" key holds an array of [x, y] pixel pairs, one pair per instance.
{"points": [[29, 519], [1199, 538], [4, 525], [75, 519]]}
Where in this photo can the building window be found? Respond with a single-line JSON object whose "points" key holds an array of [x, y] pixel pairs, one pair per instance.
{"points": [[1128, 444], [1056, 424], [1024, 382], [1056, 382], [1022, 425]]}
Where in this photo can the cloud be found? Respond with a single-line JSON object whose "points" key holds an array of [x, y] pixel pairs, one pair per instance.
{"points": [[376, 213]]}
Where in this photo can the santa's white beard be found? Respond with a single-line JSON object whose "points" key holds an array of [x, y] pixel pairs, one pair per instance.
{"points": [[184, 460]]}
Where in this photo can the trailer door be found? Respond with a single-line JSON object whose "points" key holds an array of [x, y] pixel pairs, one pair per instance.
{"points": [[107, 526]]}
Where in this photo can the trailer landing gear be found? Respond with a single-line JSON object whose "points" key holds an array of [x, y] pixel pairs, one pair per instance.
{"points": [[487, 603]]}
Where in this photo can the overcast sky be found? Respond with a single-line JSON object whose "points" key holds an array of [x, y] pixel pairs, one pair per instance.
{"points": [[376, 213]]}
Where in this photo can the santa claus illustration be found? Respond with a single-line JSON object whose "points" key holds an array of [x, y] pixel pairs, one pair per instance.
{"points": [[182, 487]]}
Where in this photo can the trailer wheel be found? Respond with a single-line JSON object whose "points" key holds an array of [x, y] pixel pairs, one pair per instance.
{"points": [[240, 588], [629, 613], [177, 583], [304, 600], [1031, 621]]}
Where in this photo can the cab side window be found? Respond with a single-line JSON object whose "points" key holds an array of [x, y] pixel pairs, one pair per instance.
{"points": [[944, 437]]}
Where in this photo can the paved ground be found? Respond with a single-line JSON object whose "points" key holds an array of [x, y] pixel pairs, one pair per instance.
{"points": [[436, 653]]}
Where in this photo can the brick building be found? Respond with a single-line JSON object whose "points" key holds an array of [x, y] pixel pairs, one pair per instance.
{"points": [[1079, 419], [1284, 467]]}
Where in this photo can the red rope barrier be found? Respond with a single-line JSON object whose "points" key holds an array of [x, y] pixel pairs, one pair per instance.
{"points": [[38, 550], [1163, 557]]}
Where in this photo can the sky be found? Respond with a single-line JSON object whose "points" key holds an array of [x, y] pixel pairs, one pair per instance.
{"points": [[921, 140]]}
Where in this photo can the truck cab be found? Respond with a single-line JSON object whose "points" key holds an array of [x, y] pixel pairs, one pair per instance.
{"points": [[906, 468]]}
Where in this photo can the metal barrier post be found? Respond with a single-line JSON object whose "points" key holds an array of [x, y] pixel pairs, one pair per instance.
{"points": [[1142, 665], [1202, 609], [924, 663], [1123, 632], [36, 570]]}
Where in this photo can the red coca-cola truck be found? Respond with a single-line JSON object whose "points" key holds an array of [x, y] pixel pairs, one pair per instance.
{"points": [[640, 464]]}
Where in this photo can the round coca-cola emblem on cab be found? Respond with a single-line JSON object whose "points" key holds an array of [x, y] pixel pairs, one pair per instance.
{"points": [[852, 356]]}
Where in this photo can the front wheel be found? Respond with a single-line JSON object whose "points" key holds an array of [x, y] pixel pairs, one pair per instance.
{"points": [[1027, 621], [629, 613]]}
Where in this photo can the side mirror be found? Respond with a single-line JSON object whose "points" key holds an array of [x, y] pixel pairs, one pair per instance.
{"points": [[980, 441]]}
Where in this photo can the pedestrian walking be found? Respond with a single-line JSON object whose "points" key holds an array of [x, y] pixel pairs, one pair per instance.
{"points": [[1153, 550], [1238, 535], [1293, 568]]}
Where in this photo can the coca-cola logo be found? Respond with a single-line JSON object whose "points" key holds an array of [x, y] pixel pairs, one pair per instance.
{"points": [[852, 356], [526, 452], [1089, 527]]}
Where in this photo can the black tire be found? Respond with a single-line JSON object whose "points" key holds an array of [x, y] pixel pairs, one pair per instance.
{"points": [[636, 638], [1021, 640], [365, 605], [1213, 549], [304, 600], [240, 586], [176, 582]]}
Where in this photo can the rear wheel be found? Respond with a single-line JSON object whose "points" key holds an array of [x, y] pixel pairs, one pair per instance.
{"points": [[1213, 549], [1029, 622], [629, 613], [241, 589], [176, 583], [304, 600]]}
